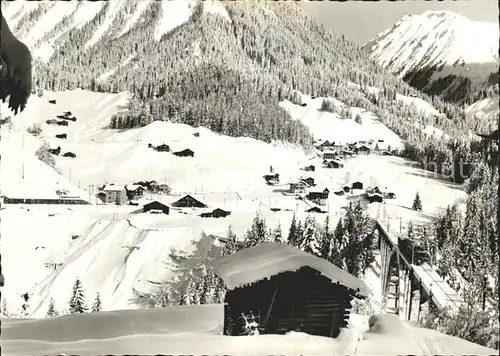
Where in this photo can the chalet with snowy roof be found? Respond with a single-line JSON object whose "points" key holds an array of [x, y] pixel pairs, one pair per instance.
{"points": [[134, 191], [329, 155], [114, 194], [325, 145], [285, 289], [347, 152], [161, 187], [309, 181], [156, 206], [375, 198], [319, 197], [298, 188], [363, 149], [216, 213], [184, 153], [162, 148], [188, 201]]}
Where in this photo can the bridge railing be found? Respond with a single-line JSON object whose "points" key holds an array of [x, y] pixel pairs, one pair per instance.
{"points": [[440, 291]]}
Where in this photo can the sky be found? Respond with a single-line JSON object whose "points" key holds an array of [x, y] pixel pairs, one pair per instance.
{"points": [[361, 21]]}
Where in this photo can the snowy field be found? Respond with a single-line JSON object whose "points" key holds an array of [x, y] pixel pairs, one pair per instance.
{"points": [[197, 330], [223, 173]]}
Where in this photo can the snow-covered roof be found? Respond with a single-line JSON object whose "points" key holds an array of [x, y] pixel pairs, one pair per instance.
{"points": [[113, 188], [270, 258], [133, 187]]}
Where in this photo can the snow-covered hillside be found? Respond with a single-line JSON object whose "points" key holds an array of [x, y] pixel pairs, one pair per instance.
{"points": [[486, 108], [329, 126], [434, 38], [197, 330], [225, 172]]}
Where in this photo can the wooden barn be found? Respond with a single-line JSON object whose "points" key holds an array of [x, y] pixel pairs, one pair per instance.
{"points": [[216, 213], [156, 205], [189, 202], [335, 164], [357, 185], [184, 153], [315, 209], [286, 289]]}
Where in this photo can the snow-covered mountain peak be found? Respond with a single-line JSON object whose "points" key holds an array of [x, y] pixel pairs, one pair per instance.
{"points": [[434, 38]]}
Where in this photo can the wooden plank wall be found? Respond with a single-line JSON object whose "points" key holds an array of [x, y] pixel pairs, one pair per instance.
{"points": [[304, 301]]}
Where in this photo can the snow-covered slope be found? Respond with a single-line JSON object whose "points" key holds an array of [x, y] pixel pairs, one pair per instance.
{"points": [[486, 108], [223, 173], [434, 38], [329, 126], [197, 330], [439, 52]]}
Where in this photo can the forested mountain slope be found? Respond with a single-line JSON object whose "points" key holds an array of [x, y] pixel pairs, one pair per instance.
{"points": [[228, 70]]}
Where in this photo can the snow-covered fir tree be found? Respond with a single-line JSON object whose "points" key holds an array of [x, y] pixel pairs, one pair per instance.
{"points": [[209, 286], [417, 203], [337, 245], [257, 232], [77, 302], [292, 232], [277, 235], [299, 238], [358, 252], [231, 245], [162, 297], [309, 242], [97, 305], [220, 291], [325, 240], [51, 311], [188, 294]]}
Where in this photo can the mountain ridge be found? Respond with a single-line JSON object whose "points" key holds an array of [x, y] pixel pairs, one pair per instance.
{"points": [[440, 52]]}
